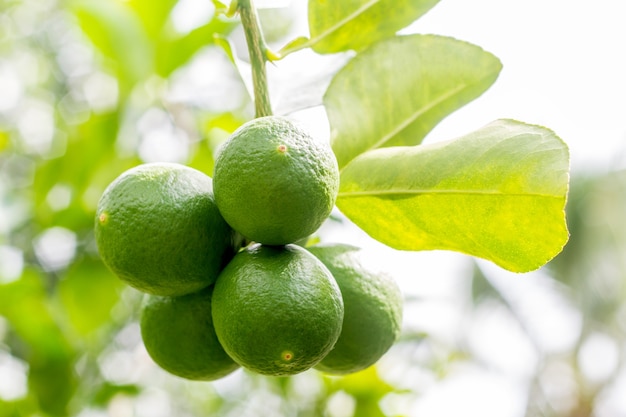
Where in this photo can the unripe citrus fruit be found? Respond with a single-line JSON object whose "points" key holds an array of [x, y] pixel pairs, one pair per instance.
{"points": [[274, 183], [158, 228], [277, 310], [179, 336], [373, 309]]}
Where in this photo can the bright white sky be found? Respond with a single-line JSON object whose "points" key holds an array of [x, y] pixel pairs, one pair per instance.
{"points": [[564, 68]]}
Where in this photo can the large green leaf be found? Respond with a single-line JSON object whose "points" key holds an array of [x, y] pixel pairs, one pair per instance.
{"points": [[337, 26], [395, 92], [498, 193]]}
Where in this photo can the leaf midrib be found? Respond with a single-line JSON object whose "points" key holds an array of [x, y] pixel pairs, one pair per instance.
{"points": [[376, 193], [413, 117]]}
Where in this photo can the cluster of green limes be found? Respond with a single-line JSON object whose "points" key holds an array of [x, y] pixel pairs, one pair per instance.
{"points": [[214, 303]]}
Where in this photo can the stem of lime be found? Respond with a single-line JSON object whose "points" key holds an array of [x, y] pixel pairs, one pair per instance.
{"points": [[257, 50]]}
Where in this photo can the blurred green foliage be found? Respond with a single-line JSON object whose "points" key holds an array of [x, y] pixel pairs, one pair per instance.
{"points": [[87, 89], [78, 75]]}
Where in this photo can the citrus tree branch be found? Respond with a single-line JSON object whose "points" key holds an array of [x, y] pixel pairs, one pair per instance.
{"points": [[257, 50]]}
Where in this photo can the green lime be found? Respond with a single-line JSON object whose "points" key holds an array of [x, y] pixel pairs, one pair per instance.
{"points": [[373, 309], [158, 228], [277, 310], [179, 336], [274, 183]]}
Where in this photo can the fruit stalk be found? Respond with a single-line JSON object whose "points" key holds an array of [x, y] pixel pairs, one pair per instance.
{"points": [[257, 50]]}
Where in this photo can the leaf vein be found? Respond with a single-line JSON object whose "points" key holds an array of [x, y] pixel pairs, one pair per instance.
{"points": [[413, 116]]}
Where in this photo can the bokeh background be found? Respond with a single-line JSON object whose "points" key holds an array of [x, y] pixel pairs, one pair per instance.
{"points": [[89, 88]]}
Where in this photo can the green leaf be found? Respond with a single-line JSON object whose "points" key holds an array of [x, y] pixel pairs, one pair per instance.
{"points": [[367, 389], [397, 91], [153, 14], [53, 397], [337, 26], [88, 292], [4, 140], [117, 31], [294, 45], [49, 353], [174, 52], [108, 391], [25, 304], [498, 193]]}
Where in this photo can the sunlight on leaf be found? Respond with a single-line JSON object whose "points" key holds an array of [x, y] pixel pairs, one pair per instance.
{"points": [[396, 92], [355, 24], [498, 193]]}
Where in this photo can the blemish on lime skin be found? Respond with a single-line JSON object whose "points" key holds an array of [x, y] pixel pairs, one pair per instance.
{"points": [[102, 218]]}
